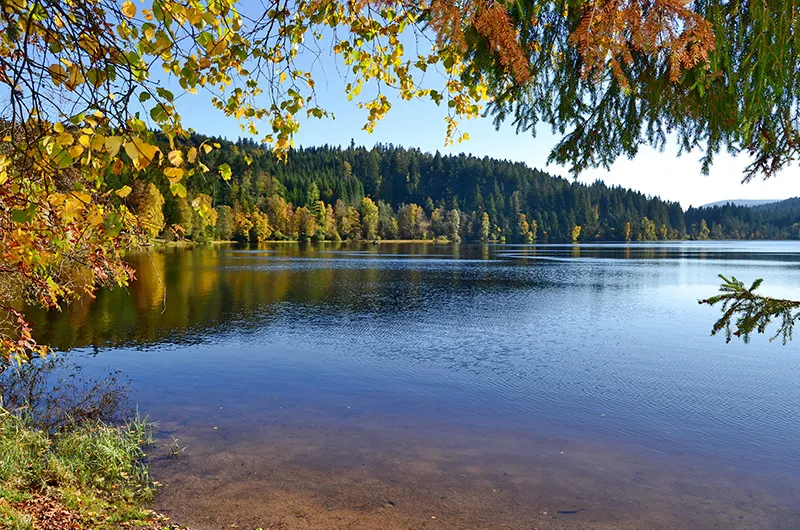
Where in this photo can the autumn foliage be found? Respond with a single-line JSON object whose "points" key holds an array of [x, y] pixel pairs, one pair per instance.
{"points": [[610, 32]]}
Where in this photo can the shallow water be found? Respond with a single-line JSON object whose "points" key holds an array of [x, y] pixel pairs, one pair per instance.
{"points": [[359, 386]]}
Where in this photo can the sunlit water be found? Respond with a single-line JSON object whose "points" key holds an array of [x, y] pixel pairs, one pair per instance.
{"points": [[599, 346]]}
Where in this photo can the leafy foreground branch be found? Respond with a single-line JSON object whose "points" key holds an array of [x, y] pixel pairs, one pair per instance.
{"points": [[745, 311], [89, 475]]}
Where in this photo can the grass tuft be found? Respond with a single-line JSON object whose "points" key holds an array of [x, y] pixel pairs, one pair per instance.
{"points": [[95, 470]]}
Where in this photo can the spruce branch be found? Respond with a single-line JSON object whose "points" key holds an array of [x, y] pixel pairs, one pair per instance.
{"points": [[744, 311]]}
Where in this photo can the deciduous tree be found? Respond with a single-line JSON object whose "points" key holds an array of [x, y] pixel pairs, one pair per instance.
{"points": [[147, 203], [260, 231], [369, 218], [485, 227]]}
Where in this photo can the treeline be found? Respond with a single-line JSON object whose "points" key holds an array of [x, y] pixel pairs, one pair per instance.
{"points": [[389, 192], [780, 220]]}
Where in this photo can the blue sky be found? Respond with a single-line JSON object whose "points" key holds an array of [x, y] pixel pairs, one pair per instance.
{"points": [[421, 124]]}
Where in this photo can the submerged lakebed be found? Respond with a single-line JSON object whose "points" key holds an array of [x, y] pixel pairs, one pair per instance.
{"points": [[421, 385]]}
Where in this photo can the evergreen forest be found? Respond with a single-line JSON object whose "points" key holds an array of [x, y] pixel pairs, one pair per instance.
{"points": [[391, 192]]}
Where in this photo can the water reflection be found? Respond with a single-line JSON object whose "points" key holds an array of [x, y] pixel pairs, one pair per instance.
{"points": [[184, 295]]}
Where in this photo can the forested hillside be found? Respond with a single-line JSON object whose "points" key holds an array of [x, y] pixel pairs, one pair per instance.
{"points": [[777, 220], [392, 192]]}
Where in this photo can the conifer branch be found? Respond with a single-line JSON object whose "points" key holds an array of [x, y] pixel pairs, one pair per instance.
{"points": [[744, 311]]}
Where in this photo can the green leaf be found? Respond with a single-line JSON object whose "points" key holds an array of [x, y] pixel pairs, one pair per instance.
{"points": [[23, 216], [178, 189], [204, 39], [225, 171], [96, 77], [166, 94], [159, 114], [113, 224], [61, 157]]}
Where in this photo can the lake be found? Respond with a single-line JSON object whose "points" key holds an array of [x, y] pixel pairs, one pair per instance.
{"points": [[437, 386]]}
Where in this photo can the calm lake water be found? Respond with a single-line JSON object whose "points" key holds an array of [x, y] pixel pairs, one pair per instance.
{"points": [[417, 385]]}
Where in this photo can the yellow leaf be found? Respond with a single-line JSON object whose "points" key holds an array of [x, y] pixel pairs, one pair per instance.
{"points": [[57, 73], [84, 140], [58, 127], [56, 199], [207, 148], [178, 189], [82, 196], [130, 149], [113, 143], [98, 140], [192, 155], [72, 209], [148, 151], [75, 151], [175, 157], [195, 16], [95, 216], [124, 191], [64, 139], [128, 9], [116, 168], [141, 153], [75, 78], [174, 174]]}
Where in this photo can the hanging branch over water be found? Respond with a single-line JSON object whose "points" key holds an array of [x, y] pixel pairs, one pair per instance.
{"points": [[744, 311]]}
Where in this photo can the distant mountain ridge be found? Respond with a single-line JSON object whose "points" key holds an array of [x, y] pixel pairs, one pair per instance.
{"points": [[741, 202]]}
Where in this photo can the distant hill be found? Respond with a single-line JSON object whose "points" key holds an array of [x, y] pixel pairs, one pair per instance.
{"points": [[740, 202]]}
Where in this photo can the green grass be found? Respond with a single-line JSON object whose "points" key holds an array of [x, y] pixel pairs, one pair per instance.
{"points": [[96, 470]]}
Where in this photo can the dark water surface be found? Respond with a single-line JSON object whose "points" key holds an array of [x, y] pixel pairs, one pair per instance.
{"points": [[415, 386]]}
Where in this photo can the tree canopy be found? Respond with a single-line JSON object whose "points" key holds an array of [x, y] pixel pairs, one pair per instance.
{"points": [[612, 75]]}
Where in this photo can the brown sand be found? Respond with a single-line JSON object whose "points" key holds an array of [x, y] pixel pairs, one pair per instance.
{"points": [[294, 477]]}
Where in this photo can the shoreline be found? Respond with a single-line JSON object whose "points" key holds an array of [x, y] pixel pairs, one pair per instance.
{"points": [[185, 243]]}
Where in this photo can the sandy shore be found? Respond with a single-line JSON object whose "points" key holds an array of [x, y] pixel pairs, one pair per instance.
{"points": [[328, 478]]}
